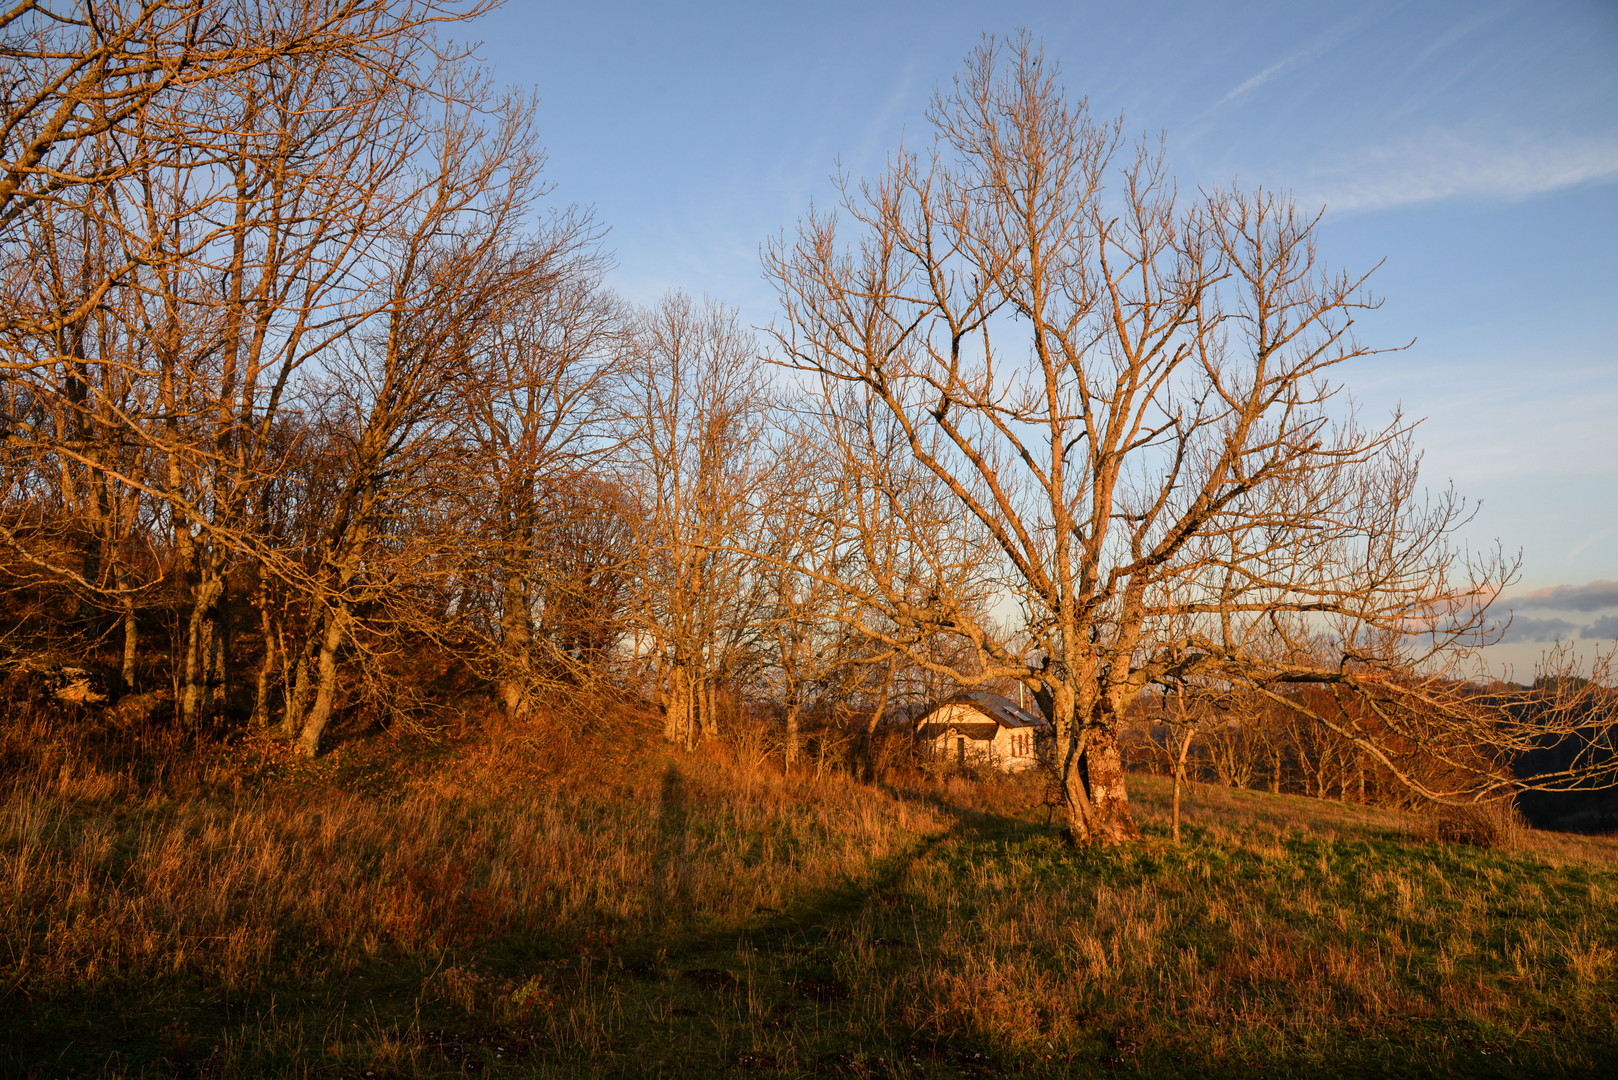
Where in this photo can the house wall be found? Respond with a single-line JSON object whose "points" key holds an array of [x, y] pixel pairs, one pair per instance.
{"points": [[1006, 746], [999, 752], [978, 751]]}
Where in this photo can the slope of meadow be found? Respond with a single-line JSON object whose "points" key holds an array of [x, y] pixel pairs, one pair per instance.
{"points": [[493, 906]]}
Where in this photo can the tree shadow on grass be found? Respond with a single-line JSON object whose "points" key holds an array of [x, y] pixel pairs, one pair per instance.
{"points": [[818, 911], [796, 965]]}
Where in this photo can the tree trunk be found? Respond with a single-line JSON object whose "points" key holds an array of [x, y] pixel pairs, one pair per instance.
{"points": [[297, 696], [882, 699], [202, 692], [273, 659], [792, 733], [874, 724], [131, 630], [708, 694], [1092, 770], [678, 704], [517, 643], [1179, 779], [325, 694], [1103, 766]]}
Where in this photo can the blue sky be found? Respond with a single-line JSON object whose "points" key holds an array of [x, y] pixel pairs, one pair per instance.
{"points": [[1473, 146]]}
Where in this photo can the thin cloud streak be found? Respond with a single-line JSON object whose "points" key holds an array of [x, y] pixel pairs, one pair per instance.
{"points": [[1589, 542], [1322, 43], [1266, 75], [1459, 31], [1447, 167]]}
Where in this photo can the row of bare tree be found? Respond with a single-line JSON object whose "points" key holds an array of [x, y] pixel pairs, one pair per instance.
{"points": [[1242, 740], [293, 361], [302, 381]]}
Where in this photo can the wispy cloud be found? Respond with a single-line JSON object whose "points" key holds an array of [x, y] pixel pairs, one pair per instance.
{"points": [[1266, 75], [1588, 542], [1461, 30], [1595, 596], [1322, 42], [1448, 166]]}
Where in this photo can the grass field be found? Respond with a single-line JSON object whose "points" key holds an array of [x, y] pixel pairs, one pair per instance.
{"points": [[488, 910]]}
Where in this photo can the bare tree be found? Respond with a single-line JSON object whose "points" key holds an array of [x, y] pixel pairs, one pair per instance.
{"points": [[812, 651], [290, 225], [227, 169], [396, 391], [1128, 395], [552, 530], [76, 523], [83, 75], [696, 438]]}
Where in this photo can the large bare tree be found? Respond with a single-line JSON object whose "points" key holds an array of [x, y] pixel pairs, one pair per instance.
{"points": [[223, 173], [1128, 393], [395, 389]]}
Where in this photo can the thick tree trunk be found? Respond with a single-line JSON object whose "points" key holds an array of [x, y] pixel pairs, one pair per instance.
{"points": [[1092, 771], [326, 691], [1110, 821], [679, 701], [297, 696], [517, 642], [202, 691], [792, 733], [709, 712]]}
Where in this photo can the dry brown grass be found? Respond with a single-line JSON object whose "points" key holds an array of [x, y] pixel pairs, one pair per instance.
{"points": [[615, 910], [1235, 809], [227, 865]]}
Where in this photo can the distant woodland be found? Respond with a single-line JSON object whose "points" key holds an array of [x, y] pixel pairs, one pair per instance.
{"points": [[317, 416]]}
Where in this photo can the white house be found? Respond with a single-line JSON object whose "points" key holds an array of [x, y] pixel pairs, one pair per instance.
{"points": [[985, 729]]}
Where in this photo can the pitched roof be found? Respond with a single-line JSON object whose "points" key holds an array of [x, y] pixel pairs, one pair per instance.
{"points": [[981, 732], [993, 707]]}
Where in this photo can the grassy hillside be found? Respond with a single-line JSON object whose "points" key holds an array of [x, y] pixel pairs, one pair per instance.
{"points": [[489, 909]]}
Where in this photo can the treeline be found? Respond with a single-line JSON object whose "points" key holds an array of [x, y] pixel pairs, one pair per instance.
{"points": [[1242, 740], [309, 401]]}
